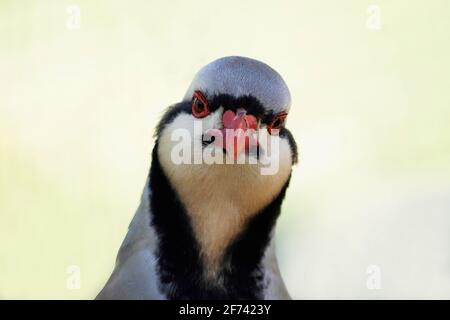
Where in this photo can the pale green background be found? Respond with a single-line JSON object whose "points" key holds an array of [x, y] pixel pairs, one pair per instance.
{"points": [[370, 112]]}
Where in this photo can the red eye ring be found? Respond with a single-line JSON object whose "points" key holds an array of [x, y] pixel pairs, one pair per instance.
{"points": [[200, 107], [277, 122]]}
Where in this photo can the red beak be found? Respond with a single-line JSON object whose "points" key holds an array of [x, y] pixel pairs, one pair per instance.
{"points": [[238, 132]]}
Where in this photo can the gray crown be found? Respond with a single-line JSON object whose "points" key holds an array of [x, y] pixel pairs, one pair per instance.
{"points": [[240, 76]]}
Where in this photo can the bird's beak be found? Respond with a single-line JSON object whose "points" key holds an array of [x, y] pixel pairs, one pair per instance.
{"points": [[238, 132]]}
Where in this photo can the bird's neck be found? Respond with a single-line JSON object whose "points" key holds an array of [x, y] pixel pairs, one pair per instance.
{"points": [[210, 238]]}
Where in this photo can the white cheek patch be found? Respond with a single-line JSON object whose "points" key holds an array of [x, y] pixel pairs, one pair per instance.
{"points": [[182, 139], [219, 198]]}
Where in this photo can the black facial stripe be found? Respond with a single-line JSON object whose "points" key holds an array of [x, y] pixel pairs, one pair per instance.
{"points": [[228, 102], [248, 102]]}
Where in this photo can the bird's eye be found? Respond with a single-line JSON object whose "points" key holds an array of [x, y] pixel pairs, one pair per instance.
{"points": [[277, 122], [199, 105]]}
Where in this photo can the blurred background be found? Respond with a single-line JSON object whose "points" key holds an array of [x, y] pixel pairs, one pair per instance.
{"points": [[83, 84]]}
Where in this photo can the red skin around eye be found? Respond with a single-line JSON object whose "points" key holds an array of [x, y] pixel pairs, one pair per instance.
{"points": [[199, 95]]}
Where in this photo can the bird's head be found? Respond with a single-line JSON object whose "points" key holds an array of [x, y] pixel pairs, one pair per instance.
{"points": [[234, 112]]}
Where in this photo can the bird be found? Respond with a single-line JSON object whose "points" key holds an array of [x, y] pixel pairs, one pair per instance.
{"points": [[207, 230]]}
